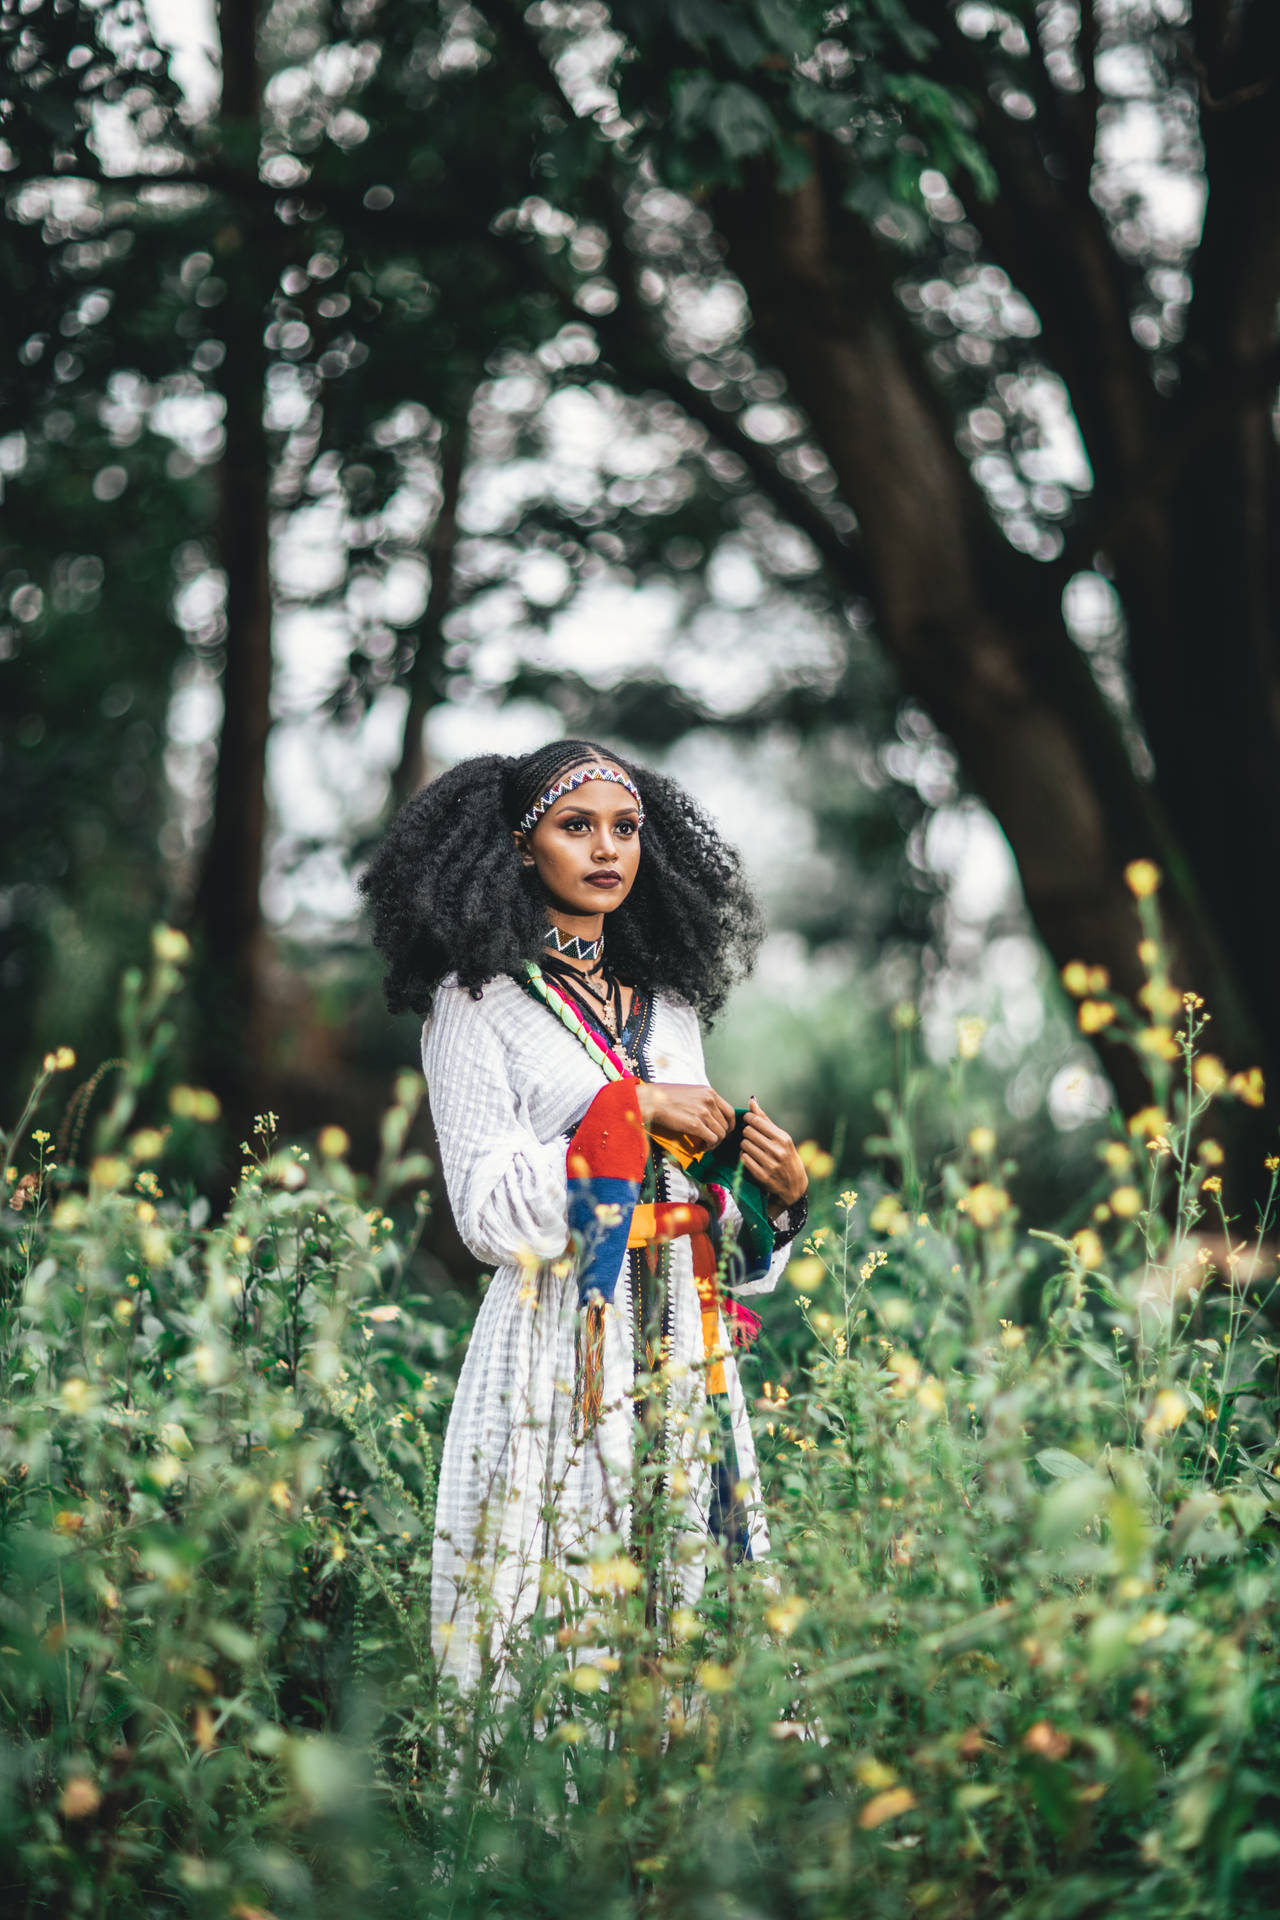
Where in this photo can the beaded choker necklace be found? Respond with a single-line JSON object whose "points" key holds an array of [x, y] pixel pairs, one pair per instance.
{"points": [[572, 946]]}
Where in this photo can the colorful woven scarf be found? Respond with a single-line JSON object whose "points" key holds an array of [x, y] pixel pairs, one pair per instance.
{"points": [[605, 1164]]}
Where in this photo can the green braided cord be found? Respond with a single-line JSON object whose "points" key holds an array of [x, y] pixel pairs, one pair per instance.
{"points": [[571, 1018]]}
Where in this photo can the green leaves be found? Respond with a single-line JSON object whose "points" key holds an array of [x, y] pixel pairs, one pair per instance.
{"points": [[740, 121]]}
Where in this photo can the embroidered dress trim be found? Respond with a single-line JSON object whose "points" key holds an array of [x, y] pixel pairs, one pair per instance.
{"points": [[570, 784]]}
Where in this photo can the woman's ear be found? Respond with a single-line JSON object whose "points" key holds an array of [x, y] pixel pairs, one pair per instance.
{"points": [[522, 848]]}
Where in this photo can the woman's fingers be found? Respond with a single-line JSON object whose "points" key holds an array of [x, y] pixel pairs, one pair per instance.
{"points": [[760, 1173], [759, 1128], [756, 1153]]}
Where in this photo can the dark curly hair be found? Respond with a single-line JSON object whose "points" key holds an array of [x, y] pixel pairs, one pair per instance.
{"points": [[446, 890]]}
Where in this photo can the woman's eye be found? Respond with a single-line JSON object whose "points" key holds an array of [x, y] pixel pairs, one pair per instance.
{"points": [[626, 827]]}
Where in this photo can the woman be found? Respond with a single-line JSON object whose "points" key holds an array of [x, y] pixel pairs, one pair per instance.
{"points": [[560, 921]]}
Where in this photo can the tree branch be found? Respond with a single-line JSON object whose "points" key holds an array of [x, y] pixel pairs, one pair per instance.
{"points": [[1053, 242], [423, 678], [629, 339]]}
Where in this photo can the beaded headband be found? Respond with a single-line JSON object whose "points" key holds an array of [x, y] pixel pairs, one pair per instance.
{"points": [[570, 784]]}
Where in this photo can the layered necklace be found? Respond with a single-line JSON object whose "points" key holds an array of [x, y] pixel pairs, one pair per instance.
{"points": [[596, 989]]}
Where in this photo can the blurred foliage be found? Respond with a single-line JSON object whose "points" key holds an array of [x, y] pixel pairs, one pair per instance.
{"points": [[1013, 1651], [503, 227], [438, 238]]}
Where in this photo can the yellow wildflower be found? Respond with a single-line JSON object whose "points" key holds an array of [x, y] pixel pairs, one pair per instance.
{"points": [[107, 1171], [982, 1141], [808, 1271], [171, 946], [1249, 1087], [1147, 1124], [1075, 978], [69, 1213], [904, 1016], [785, 1615], [1148, 952], [817, 1162], [619, 1575], [194, 1103], [1088, 1248], [1050, 1742], [1117, 1155], [886, 1806], [906, 1371], [714, 1678], [875, 1775], [969, 1032], [930, 1397], [1159, 1042], [1160, 999], [986, 1204], [1011, 1337], [1211, 1153], [77, 1395], [1212, 1185], [80, 1797], [333, 1142], [1167, 1414], [1142, 878], [148, 1143], [155, 1246], [1094, 1015], [1209, 1073], [1150, 1627], [1099, 981], [889, 1216], [1272, 1162], [1126, 1202]]}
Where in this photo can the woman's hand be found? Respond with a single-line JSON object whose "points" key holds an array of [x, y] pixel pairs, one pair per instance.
{"points": [[769, 1156], [697, 1112]]}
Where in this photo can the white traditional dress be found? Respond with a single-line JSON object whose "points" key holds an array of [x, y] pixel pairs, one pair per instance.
{"points": [[518, 1491]]}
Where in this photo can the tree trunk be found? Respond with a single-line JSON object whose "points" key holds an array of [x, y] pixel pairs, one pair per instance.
{"points": [[229, 897], [975, 629], [1205, 645]]}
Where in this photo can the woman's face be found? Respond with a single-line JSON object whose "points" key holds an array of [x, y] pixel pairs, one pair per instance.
{"points": [[586, 848]]}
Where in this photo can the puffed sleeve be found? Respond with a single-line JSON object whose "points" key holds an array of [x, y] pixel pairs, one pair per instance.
{"points": [[793, 1220], [508, 1190]]}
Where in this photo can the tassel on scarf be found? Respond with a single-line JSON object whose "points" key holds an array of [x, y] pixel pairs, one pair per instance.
{"points": [[588, 1398], [605, 1163]]}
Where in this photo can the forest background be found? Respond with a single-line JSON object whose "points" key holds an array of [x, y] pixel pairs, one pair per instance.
{"points": [[865, 411]]}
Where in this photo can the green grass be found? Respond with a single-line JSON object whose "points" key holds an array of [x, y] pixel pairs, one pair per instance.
{"points": [[1013, 1653]]}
